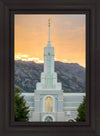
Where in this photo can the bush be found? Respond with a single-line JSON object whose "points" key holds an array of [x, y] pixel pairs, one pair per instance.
{"points": [[20, 109], [82, 111]]}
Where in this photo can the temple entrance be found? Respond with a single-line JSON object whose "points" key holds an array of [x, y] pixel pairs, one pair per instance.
{"points": [[48, 119]]}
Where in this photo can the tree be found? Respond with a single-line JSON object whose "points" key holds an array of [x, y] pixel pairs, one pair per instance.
{"points": [[20, 109], [82, 111]]}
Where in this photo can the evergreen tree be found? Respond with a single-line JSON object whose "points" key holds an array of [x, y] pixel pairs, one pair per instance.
{"points": [[82, 111], [20, 109]]}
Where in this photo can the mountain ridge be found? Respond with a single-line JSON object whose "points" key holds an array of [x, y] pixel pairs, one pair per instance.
{"points": [[71, 75]]}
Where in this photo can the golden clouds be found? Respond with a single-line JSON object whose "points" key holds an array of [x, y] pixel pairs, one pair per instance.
{"points": [[27, 58]]}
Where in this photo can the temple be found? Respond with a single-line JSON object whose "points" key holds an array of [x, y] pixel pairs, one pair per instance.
{"points": [[48, 96], [48, 102]]}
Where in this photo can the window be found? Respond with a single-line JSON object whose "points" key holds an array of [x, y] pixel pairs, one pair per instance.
{"points": [[48, 104]]}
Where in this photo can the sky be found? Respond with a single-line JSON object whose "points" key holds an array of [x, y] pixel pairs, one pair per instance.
{"points": [[67, 36]]}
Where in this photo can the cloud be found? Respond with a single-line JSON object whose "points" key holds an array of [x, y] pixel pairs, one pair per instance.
{"points": [[64, 60], [25, 57], [40, 61]]}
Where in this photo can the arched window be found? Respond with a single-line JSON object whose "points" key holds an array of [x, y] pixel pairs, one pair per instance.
{"points": [[48, 104], [48, 119]]}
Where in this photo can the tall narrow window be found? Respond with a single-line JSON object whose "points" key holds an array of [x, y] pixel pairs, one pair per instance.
{"points": [[48, 104], [49, 70]]}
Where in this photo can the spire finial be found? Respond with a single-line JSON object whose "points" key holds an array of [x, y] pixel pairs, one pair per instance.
{"points": [[49, 22], [49, 32]]}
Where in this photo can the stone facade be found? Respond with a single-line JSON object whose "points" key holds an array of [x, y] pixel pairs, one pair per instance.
{"points": [[71, 102]]}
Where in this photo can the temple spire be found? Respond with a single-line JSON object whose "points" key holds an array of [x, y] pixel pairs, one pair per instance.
{"points": [[49, 22], [49, 31]]}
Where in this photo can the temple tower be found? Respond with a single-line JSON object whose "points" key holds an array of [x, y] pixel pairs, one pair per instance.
{"points": [[48, 96], [48, 77]]}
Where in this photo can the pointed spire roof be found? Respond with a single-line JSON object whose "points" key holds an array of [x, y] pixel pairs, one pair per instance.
{"points": [[49, 44], [49, 22]]}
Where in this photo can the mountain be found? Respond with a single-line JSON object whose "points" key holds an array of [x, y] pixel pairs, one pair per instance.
{"points": [[71, 75]]}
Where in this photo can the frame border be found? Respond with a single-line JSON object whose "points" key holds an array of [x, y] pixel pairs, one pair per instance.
{"points": [[7, 9], [11, 62]]}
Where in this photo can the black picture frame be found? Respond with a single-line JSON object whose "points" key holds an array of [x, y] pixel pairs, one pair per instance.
{"points": [[7, 10]]}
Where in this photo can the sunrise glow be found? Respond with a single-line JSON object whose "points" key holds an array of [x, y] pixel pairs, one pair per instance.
{"points": [[67, 36]]}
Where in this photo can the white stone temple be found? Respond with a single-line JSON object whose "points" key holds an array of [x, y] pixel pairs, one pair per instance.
{"points": [[48, 102]]}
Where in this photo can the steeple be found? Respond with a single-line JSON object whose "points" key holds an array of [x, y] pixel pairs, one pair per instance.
{"points": [[49, 28], [49, 44], [48, 76]]}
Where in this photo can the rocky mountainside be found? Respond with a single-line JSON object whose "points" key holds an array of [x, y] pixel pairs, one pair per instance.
{"points": [[71, 75]]}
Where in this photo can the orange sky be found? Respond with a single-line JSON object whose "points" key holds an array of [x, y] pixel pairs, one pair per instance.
{"points": [[67, 37]]}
